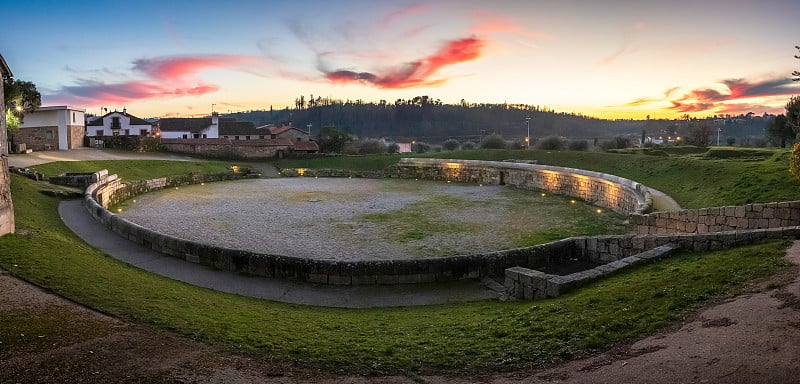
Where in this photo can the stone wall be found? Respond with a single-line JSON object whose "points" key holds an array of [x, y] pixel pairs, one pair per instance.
{"points": [[75, 134], [616, 193], [618, 252], [6, 206], [36, 138], [227, 148], [718, 219]]}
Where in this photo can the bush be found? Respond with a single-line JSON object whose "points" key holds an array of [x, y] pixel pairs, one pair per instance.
{"points": [[421, 147], [493, 142], [393, 148], [578, 145], [468, 145], [794, 160], [451, 144], [371, 147], [551, 143], [618, 142]]}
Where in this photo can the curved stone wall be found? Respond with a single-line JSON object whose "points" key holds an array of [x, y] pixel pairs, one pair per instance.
{"points": [[615, 193]]}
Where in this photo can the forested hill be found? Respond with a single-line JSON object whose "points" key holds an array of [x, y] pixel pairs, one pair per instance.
{"points": [[429, 120]]}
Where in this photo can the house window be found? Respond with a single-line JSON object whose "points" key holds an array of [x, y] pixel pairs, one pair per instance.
{"points": [[115, 123], [185, 136], [127, 132], [48, 135], [205, 136], [261, 137], [196, 136], [142, 132], [247, 137], [236, 137], [99, 132], [73, 117]]}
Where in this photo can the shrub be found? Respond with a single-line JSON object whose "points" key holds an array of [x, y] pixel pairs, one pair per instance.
{"points": [[617, 142], [578, 145], [551, 143], [794, 160], [451, 144], [393, 148], [421, 147], [468, 145], [493, 142], [371, 147]]}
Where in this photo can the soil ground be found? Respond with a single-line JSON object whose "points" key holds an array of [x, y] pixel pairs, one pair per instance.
{"points": [[751, 338]]}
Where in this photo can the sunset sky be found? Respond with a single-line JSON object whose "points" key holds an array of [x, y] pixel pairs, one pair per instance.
{"points": [[610, 59]]}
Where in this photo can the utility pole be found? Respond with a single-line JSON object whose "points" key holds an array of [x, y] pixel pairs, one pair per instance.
{"points": [[528, 138]]}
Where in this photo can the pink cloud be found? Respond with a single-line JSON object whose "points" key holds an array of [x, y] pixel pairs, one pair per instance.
{"points": [[415, 73], [165, 77], [392, 17]]}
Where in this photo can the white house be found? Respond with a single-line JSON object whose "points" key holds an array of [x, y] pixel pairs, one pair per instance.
{"points": [[188, 128], [55, 127], [118, 124]]}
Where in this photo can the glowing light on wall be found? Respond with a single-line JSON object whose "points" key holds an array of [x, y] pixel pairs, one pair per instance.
{"points": [[301, 171]]}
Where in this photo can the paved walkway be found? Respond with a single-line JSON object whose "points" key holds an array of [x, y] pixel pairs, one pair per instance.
{"points": [[78, 219]]}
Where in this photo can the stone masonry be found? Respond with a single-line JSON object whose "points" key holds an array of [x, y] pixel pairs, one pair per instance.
{"points": [[719, 219]]}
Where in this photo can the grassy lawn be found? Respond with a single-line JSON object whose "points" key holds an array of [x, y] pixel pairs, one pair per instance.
{"points": [[134, 169], [469, 337], [718, 177]]}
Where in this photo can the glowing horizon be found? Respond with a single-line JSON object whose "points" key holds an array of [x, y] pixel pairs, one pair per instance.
{"points": [[611, 59]]}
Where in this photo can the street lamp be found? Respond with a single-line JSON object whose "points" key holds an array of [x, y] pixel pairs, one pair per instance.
{"points": [[719, 129], [528, 138]]}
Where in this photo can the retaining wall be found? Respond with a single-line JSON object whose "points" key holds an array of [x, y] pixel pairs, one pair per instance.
{"points": [[616, 193], [629, 197], [719, 219]]}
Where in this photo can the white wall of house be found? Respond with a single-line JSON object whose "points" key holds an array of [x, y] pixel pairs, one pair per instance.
{"points": [[126, 128], [57, 116]]}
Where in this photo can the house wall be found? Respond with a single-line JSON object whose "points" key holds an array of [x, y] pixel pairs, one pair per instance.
{"points": [[66, 124], [292, 135], [125, 123], [6, 206], [36, 138]]}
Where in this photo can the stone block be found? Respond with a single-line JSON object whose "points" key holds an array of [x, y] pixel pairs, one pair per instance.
{"points": [[364, 279], [739, 211], [388, 279], [339, 280], [317, 278]]}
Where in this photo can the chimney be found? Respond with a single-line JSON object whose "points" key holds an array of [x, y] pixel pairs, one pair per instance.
{"points": [[214, 118]]}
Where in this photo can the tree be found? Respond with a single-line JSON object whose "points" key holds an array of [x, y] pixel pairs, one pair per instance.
{"points": [[731, 141], [332, 140], [796, 74], [21, 97], [701, 136], [779, 131], [793, 115], [451, 144], [493, 142]]}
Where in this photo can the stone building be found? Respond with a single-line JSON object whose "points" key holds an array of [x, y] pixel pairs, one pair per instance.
{"points": [[50, 128], [118, 124], [6, 208]]}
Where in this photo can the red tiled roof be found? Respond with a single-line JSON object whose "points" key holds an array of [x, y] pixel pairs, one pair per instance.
{"points": [[308, 146], [184, 124], [278, 130]]}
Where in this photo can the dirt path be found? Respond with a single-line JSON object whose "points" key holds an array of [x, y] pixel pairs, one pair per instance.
{"points": [[752, 338]]}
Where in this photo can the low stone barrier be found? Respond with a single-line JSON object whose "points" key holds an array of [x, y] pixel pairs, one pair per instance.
{"points": [[608, 191], [719, 219], [109, 189], [78, 179], [618, 252]]}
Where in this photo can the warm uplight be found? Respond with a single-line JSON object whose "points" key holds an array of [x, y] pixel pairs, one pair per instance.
{"points": [[599, 210], [543, 194], [301, 171], [678, 138], [235, 168], [572, 201], [202, 183], [119, 209]]}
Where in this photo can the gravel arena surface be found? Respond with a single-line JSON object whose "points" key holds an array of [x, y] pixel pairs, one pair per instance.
{"points": [[353, 219], [753, 338]]}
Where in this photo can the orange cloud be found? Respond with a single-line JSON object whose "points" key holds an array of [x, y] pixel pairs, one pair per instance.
{"points": [[164, 77], [416, 73]]}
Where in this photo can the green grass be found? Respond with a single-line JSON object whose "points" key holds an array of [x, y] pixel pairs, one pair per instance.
{"points": [[469, 337], [693, 180], [130, 170]]}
